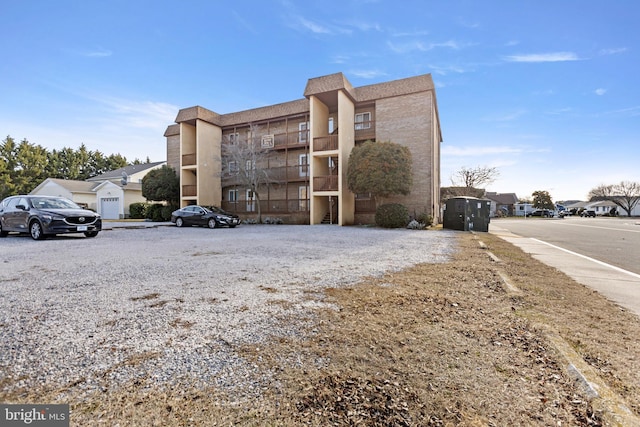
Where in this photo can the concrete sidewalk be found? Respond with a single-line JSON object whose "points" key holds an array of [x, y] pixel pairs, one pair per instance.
{"points": [[115, 224], [618, 285]]}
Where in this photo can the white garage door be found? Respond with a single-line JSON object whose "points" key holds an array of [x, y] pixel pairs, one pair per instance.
{"points": [[110, 208]]}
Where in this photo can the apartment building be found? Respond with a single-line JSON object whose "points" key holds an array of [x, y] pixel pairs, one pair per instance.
{"points": [[304, 148]]}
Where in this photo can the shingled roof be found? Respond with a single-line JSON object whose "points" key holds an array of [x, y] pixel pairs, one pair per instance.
{"points": [[315, 86]]}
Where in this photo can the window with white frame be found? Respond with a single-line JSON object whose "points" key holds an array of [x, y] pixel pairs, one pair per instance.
{"points": [[233, 196], [233, 166], [331, 126], [303, 198], [303, 164], [233, 138], [363, 121], [250, 165], [303, 132]]}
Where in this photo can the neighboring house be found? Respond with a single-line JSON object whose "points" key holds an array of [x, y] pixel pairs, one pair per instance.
{"points": [[502, 202], [133, 173], [106, 194], [310, 140], [522, 209]]}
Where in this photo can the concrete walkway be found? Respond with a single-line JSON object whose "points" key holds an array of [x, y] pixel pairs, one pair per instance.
{"points": [[618, 285]]}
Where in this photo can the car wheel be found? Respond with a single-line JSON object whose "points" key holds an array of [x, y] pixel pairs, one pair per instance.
{"points": [[179, 222], [2, 232], [35, 230], [232, 226], [212, 223], [91, 233]]}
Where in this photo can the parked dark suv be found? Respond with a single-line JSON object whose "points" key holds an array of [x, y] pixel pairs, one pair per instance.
{"points": [[588, 213], [41, 216]]}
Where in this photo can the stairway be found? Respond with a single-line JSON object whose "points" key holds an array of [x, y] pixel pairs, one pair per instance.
{"points": [[327, 219]]}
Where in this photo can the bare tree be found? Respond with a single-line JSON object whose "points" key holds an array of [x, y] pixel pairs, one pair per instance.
{"points": [[474, 177], [625, 195], [247, 159]]}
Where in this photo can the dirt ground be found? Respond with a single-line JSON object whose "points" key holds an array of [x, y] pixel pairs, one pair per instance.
{"points": [[434, 345]]}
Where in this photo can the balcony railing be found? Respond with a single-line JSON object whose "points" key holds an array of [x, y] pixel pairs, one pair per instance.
{"points": [[188, 159], [189, 190], [275, 175], [325, 183], [277, 206], [365, 205], [325, 143], [365, 130], [291, 140]]}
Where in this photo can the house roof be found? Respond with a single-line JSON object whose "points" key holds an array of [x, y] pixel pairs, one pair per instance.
{"points": [[129, 170], [70, 185], [502, 198]]}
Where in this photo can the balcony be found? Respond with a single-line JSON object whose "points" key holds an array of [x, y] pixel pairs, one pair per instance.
{"points": [[325, 143], [291, 140], [274, 206], [365, 130], [188, 159], [325, 183], [189, 190], [279, 175]]}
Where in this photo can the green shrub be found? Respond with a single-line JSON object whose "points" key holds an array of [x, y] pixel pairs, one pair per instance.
{"points": [[424, 218], [138, 210], [159, 213], [392, 215]]}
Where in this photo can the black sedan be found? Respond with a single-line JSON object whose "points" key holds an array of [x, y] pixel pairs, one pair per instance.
{"points": [[207, 216], [545, 213], [42, 216]]}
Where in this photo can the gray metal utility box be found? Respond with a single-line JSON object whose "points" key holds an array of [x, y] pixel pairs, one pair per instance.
{"points": [[467, 214]]}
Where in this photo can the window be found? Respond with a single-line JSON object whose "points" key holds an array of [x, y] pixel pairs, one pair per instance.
{"points": [[233, 167], [303, 162], [303, 132], [363, 121], [303, 198], [233, 196], [233, 138], [330, 125], [251, 203], [250, 165]]}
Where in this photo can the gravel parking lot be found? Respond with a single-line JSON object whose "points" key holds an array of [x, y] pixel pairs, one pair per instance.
{"points": [[170, 304]]}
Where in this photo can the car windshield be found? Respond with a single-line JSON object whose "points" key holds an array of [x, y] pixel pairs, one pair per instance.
{"points": [[51, 203]]}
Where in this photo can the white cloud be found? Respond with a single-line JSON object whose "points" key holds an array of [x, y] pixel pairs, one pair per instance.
{"points": [[613, 51], [600, 91], [450, 150], [367, 74], [313, 26], [421, 47], [543, 57]]}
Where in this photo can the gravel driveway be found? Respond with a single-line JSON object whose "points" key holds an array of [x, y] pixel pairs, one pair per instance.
{"points": [[170, 304]]}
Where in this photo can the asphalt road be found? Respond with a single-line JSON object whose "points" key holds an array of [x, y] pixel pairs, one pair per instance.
{"points": [[615, 241]]}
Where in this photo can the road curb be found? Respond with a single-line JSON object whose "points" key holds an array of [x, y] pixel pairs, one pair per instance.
{"points": [[604, 401]]}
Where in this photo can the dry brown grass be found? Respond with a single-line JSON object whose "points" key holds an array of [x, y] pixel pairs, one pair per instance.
{"points": [[438, 344]]}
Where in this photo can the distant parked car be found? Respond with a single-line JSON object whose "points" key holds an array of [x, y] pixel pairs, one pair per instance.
{"points": [[206, 216], [588, 213], [42, 216], [546, 213]]}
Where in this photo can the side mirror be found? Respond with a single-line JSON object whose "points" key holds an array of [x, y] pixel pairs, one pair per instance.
{"points": [[21, 207]]}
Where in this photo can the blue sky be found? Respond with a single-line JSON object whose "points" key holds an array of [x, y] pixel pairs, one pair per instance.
{"points": [[546, 91]]}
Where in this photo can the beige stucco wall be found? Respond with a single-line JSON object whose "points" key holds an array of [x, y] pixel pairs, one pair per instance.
{"points": [[319, 114], [346, 138], [208, 146]]}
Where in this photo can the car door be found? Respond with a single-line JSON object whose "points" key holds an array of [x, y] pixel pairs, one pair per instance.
{"points": [[200, 216], [16, 218], [187, 215]]}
